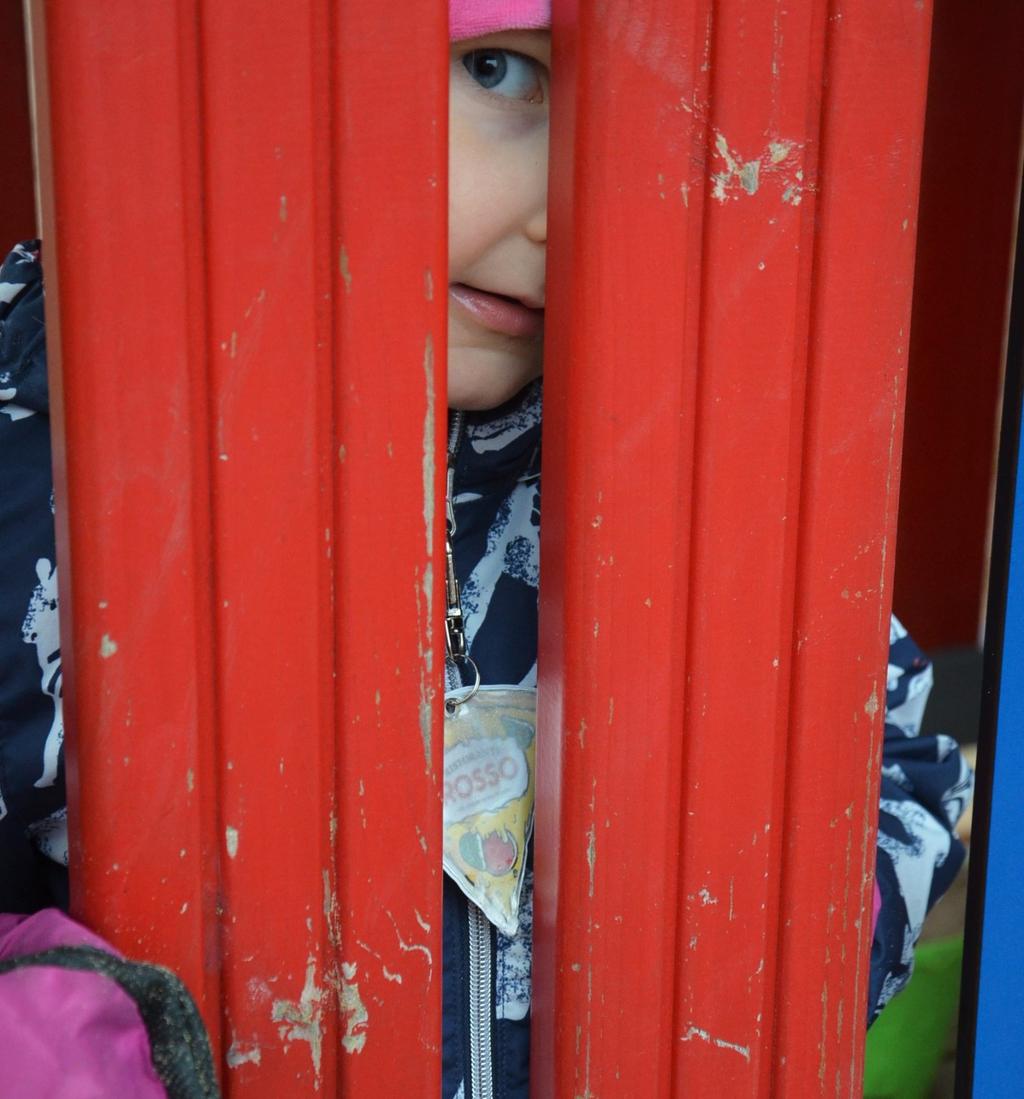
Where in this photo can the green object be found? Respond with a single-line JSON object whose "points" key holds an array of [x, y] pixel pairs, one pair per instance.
{"points": [[907, 1043]]}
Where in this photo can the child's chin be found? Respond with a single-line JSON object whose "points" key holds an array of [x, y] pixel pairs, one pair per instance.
{"points": [[480, 380]]}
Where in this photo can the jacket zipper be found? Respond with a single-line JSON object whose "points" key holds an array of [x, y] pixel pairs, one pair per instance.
{"points": [[455, 434], [480, 1005], [480, 962]]}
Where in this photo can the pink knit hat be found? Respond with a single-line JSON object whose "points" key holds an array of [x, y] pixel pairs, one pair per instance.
{"points": [[471, 18]]}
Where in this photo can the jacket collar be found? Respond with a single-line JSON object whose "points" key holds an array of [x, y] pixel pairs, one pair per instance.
{"points": [[501, 444]]}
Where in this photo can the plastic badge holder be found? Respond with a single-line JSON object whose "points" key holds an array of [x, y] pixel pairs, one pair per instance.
{"points": [[489, 758]]}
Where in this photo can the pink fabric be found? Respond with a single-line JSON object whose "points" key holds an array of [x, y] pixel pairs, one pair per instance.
{"points": [[876, 909], [471, 18], [43, 931], [68, 1034]]}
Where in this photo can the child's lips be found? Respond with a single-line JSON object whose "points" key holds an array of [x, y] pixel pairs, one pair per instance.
{"points": [[500, 314]]}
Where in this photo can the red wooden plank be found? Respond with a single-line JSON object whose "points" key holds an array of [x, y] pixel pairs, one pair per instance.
{"points": [[266, 111], [119, 105], [250, 506], [686, 731], [764, 100], [390, 171], [873, 121], [623, 285]]}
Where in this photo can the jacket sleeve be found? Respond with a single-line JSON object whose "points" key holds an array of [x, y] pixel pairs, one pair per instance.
{"points": [[926, 785], [33, 818]]}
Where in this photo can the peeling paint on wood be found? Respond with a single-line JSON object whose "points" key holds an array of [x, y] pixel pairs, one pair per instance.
{"points": [[700, 1034], [779, 161], [591, 858], [243, 1053], [300, 1020], [409, 947], [354, 1015]]}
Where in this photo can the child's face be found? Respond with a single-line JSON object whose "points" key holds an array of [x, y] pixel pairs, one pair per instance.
{"points": [[497, 213]]}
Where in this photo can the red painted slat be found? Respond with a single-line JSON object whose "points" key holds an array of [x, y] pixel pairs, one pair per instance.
{"points": [[246, 217], [128, 369], [729, 290], [268, 303], [625, 243], [390, 260], [873, 121], [763, 161]]}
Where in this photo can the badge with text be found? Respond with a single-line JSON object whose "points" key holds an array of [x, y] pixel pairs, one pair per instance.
{"points": [[489, 753]]}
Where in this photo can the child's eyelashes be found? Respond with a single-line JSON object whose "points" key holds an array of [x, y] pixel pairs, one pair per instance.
{"points": [[506, 73]]}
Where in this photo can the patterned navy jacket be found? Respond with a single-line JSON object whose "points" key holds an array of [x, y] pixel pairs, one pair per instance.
{"points": [[33, 820], [925, 783]]}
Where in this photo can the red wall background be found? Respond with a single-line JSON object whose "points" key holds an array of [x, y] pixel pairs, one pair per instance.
{"points": [[17, 206], [968, 205]]}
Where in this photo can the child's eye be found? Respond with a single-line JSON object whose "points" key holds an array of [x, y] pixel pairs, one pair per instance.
{"points": [[505, 73]]}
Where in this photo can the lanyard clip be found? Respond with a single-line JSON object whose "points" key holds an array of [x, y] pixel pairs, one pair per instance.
{"points": [[449, 505], [454, 623]]}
